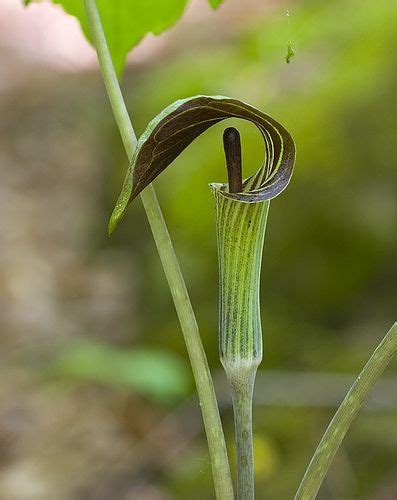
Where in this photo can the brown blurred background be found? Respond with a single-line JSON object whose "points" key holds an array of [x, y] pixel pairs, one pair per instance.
{"points": [[96, 396]]}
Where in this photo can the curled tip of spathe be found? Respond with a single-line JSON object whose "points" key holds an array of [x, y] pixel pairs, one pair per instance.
{"points": [[171, 132]]}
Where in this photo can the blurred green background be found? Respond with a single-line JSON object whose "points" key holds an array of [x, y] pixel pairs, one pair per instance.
{"points": [[96, 396]]}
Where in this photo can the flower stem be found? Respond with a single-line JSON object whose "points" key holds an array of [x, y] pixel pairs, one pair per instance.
{"points": [[345, 414], [201, 372], [240, 235], [242, 386]]}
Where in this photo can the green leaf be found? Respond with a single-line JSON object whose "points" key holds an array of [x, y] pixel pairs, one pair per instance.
{"points": [[170, 132], [155, 373], [126, 22]]}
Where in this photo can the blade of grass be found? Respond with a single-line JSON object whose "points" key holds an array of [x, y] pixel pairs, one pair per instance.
{"points": [[201, 372], [345, 415]]}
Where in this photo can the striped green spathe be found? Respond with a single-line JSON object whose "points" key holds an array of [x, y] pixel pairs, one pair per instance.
{"points": [[178, 125], [240, 234]]}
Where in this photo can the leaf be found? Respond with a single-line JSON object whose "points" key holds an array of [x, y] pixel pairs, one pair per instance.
{"points": [[126, 22], [155, 373], [179, 124]]}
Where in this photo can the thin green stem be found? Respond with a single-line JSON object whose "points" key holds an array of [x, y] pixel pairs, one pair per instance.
{"points": [[201, 372], [345, 414], [242, 385]]}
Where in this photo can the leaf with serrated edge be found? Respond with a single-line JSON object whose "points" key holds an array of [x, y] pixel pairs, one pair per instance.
{"points": [[170, 132]]}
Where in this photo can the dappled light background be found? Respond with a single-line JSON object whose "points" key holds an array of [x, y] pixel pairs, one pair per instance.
{"points": [[97, 400]]}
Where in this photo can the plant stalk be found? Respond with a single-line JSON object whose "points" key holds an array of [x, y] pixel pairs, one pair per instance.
{"points": [[198, 360], [345, 415], [242, 387], [240, 236]]}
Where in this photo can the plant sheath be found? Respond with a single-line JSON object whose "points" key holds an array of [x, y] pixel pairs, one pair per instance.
{"points": [[345, 414], [200, 368]]}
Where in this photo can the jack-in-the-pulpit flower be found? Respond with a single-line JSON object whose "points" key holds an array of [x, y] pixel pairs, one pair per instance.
{"points": [[241, 213], [171, 131]]}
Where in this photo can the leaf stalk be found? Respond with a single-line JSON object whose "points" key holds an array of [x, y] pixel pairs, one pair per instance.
{"points": [[345, 415], [205, 389]]}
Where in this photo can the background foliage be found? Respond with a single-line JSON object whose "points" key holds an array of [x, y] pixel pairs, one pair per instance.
{"points": [[71, 298]]}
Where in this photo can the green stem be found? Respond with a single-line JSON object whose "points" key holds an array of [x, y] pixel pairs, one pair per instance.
{"points": [[201, 372], [242, 386], [344, 416]]}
